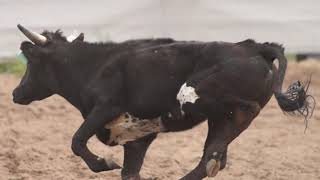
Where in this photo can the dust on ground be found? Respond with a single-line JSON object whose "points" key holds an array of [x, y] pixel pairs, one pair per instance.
{"points": [[35, 142]]}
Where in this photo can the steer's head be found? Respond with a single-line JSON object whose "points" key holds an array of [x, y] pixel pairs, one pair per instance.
{"points": [[38, 80]]}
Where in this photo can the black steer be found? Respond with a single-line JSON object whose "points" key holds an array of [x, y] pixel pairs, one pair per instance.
{"points": [[128, 92]]}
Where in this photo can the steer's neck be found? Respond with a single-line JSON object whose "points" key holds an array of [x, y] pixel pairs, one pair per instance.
{"points": [[74, 76], [71, 84]]}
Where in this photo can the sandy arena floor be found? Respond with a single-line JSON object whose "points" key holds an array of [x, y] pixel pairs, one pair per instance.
{"points": [[35, 142]]}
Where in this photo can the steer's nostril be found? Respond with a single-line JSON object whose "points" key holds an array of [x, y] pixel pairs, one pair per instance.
{"points": [[14, 91], [15, 94]]}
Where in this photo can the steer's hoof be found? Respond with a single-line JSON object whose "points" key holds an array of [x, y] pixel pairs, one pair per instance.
{"points": [[213, 167], [134, 177], [111, 164], [103, 165]]}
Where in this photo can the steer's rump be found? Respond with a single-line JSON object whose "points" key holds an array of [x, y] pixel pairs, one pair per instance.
{"points": [[231, 81]]}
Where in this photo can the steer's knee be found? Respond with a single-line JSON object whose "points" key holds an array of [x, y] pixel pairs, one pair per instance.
{"points": [[76, 146]]}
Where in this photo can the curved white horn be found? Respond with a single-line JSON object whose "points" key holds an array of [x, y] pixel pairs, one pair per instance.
{"points": [[33, 36]]}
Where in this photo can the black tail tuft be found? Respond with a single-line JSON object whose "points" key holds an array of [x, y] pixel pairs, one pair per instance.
{"points": [[296, 101]]}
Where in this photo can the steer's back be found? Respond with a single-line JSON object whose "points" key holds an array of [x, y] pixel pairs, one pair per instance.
{"points": [[155, 74]]}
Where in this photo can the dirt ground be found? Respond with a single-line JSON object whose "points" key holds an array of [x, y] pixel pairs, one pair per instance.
{"points": [[35, 142]]}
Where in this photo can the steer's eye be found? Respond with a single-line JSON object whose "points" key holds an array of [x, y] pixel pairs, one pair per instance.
{"points": [[24, 46]]}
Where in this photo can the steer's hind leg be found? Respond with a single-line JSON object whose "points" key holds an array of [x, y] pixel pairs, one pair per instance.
{"points": [[134, 153], [224, 159], [98, 117], [221, 132]]}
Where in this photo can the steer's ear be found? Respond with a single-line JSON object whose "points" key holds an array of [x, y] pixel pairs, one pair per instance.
{"points": [[80, 38]]}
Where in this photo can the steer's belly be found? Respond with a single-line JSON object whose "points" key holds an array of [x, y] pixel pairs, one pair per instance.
{"points": [[129, 128]]}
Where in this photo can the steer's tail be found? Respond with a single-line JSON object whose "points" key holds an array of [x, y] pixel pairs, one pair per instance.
{"points": [[295, 99]]}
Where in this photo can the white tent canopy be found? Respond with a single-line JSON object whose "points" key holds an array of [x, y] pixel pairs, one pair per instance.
{"points": [[294, 23]]}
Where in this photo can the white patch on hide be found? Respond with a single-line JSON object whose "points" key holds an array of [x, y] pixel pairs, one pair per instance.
{"points": [[129, 128], [187, 94]]}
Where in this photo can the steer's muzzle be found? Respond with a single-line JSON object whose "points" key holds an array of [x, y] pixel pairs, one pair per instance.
{"points": [[19, 98]]}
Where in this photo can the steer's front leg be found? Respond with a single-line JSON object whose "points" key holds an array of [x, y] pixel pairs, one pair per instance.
{"points": [[98, 117], [134, 153]]}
